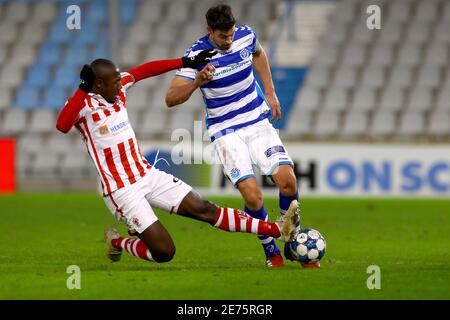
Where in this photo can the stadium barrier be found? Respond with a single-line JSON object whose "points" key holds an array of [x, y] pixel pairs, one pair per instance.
{"points": [[354, 169]]}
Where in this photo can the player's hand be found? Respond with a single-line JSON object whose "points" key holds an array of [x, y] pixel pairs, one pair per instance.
{"points": [[87, 76], [199, 60], [205, 75], [274, 104]]}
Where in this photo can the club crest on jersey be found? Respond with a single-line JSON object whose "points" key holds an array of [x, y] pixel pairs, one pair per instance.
{"points": [[245, 53], [136, 222], [235, 173], [104, 131]]}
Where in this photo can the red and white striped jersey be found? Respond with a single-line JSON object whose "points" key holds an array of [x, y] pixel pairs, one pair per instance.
{"points": [[110, 139]]}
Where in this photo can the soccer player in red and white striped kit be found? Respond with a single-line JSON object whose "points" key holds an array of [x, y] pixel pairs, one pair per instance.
{"points": [[131, 185]]}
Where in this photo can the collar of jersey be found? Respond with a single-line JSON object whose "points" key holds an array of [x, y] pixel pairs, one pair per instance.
{"points": [[100, 98]]}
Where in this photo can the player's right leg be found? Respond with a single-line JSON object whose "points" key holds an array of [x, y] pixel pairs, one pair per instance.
{"points": [[233, 153], [234, 220], [175, 196], [154, 244], [285, 179], [131, 207], [254, 206]]}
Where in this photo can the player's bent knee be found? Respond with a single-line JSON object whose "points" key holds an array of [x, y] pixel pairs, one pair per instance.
{"points": [[161, 258], [164, 255]]}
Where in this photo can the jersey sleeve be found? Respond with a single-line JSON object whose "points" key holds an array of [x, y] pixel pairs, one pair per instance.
{"points": [[188, 73], [87, 108], [83, 112], [127, 80], [255, 47], [73, 110]]}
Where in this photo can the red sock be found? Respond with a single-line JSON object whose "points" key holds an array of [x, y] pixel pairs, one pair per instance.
{"points": [[234, 220], [135, 247]]}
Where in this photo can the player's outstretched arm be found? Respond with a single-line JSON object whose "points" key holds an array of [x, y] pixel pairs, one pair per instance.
{"points": [[181, 89], [69, 113], [157, 67], [154, 68]]}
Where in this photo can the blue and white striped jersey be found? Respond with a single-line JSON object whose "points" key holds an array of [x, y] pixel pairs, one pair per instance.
{"points": [[233, 98]]}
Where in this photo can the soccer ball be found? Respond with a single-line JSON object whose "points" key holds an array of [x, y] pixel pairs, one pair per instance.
{"points": [[307, 247]]}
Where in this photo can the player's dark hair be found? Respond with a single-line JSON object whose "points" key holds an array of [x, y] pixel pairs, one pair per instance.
{"points": [[99, 64], [220, 17]]}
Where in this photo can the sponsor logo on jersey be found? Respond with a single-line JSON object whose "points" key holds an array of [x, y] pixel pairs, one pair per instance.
{"points": [[118, 127], [234, 66], [215, 63], [274, 150], [104, 131]]}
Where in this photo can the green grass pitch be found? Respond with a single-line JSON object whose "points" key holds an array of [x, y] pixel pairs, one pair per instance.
{"points": [[42, 234]]}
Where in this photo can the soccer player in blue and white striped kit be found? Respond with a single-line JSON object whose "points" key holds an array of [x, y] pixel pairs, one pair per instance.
{"points": [[238, 113]]}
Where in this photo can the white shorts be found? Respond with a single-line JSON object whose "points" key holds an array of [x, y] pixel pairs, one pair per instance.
{"points": [[258, 145], [133, 204]]}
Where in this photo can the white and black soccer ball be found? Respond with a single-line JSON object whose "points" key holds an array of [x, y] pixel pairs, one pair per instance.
{"points": [[308, 246]]}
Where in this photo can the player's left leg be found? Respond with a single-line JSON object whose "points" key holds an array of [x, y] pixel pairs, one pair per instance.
{"points": [[254, 206], [234, 220], [234, 155], [285, 179], [272, 158], [270, 155]]}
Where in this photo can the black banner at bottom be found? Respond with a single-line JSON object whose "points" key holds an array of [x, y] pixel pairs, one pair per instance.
{"points": [[226, 309]]}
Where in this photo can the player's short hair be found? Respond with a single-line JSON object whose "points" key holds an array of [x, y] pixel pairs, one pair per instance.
{"points": [[98, 64], [220, 17]]}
